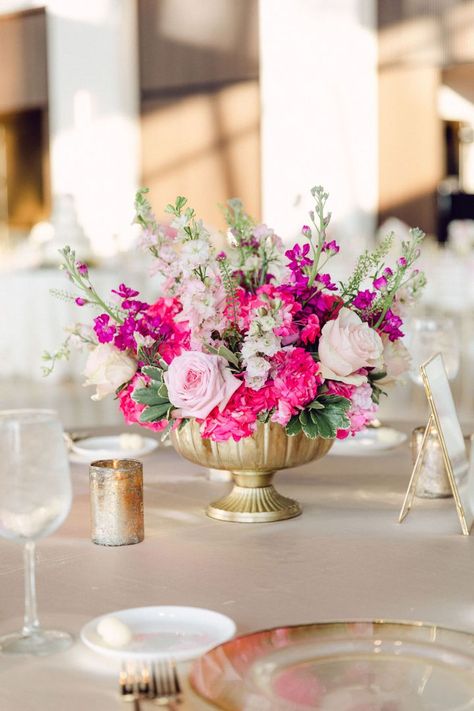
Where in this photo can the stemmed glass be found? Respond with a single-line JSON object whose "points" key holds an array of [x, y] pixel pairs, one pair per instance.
{"points": [[428, 336], [35, 498]]}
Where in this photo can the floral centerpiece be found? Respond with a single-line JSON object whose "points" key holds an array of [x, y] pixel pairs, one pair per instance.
{"points": [[256, 338]]}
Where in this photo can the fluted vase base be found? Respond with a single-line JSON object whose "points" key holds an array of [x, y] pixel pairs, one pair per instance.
{"points": [[253, 461], [253, 499]]}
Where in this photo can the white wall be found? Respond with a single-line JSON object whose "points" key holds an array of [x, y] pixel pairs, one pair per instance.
{"points": [[319, 112]]}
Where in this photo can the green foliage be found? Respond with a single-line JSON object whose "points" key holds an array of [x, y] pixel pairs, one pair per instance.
{"points": [[62, 353], [373, 378], [238, 220], [154, 396], [367, 263], [321, 418], [230, 287]]}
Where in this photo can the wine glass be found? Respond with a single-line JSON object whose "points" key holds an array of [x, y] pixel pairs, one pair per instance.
{"points": [[428, 336], [35, 498]]}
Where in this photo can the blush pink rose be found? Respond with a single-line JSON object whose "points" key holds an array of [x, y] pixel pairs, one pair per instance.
{"points": [[348, 344], [198, 382]]}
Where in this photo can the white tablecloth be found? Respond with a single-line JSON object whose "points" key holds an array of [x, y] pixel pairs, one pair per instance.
{"points": [[346, 557]]}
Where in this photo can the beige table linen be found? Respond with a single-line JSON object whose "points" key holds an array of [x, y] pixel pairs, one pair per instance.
{"points": [[345, 558]]}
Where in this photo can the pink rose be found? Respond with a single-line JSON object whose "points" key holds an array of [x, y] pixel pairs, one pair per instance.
{"points": [[348, 344], [198, 382]]}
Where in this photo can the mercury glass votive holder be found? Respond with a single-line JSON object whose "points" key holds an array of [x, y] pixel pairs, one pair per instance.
{"points": [[116, 495], [433, 482]]}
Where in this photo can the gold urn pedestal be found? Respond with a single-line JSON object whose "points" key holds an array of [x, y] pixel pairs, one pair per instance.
{"points": [[253, 499], [253, 462]]}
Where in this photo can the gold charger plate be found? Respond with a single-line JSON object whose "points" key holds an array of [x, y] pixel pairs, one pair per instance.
{"points": [[341, 666]]}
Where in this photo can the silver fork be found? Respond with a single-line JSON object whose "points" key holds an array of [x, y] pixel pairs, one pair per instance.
{"points": [[165, 683], [130, 686]]}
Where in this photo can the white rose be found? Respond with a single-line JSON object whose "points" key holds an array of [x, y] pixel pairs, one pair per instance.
{"points": [[346, 345], [108, 368]]}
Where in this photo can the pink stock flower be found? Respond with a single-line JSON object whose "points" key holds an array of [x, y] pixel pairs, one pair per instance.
{"points": [[132, 410], [197, 382]]}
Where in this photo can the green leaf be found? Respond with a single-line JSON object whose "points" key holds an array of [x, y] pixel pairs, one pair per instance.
{"points": [[155, 413], [163, 391], [293, 427], [373, 376], [315, 405], [149, 396], [310, 428], [153, 372], [326, 419], [228, 355]]}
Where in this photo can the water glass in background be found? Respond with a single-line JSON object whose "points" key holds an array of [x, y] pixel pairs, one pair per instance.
{"points": [[35, 498], [427, 336]]}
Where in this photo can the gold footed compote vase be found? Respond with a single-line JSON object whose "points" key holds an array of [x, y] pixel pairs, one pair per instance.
{"points": [[253, 462]]}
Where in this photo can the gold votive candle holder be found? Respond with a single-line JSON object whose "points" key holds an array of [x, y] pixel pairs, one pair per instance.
{"points": [[116, 495]]}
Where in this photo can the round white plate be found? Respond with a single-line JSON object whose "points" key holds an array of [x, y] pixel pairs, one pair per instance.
{"points": [[163, 632], [369, 441], [112, 448]]}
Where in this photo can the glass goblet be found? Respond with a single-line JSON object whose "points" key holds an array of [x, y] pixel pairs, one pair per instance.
{"points": [[35, 498], [428, 336]]}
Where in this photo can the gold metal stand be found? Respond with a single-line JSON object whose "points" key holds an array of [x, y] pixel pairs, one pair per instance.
{"points": [[253, 499]]}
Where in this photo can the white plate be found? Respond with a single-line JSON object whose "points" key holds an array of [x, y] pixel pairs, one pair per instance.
{"points": [[167, 631], [111, 448], [369, 441]]}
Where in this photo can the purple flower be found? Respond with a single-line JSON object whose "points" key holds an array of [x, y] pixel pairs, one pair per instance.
{"points": [[364, 300], [104, 331], [221, 257], [387, 272], [125, 292], [391, 326], [402, 262], [133, 306], [332, 247], [380, 283], [125, 334], [82, 268], [306, 231], [324, 281], [298, 257], [80, 301]]}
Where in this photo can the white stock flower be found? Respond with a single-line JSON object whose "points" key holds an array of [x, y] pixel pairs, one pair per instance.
{"points": [[108, 368], [195, 253], [257, 367]]}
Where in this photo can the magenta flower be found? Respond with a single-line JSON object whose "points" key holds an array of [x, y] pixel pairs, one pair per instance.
{"points": [[306, 231], [391, 326], [402, 262], [387, 272], [82, 268], [80, 301], [380, 283], [125, 292], [364, 300], [104, 331], [298, 256], [332, 247]]}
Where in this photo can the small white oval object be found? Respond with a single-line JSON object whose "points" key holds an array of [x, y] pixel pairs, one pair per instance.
{"points": [[114, 632]]}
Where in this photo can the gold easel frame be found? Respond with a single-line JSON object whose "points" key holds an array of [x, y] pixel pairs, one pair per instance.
{"points": [[433, 424]]}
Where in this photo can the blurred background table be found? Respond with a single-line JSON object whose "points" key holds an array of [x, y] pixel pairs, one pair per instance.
{"points": [[345, 558]]}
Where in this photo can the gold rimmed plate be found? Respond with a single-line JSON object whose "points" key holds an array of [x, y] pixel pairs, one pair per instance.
{"points": [[381, 666]]}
